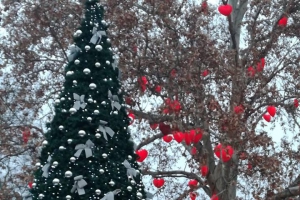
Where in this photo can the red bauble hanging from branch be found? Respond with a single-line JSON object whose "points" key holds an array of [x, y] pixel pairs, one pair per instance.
{"points": [[271, 110], [193, 183], [167, 138], [158, 182], [142, 155], [26, 135], [267, 117], [204, 170], [225, 9], [131, 116], [296, 103], [283, 21], [178, 136], [153, 126], [165, 128]]}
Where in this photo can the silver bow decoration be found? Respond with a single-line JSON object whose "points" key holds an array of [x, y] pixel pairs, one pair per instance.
{"points": [[78, 185], [79, 101], [114, 100], [96, 38], [87, 147], [131, 172], [74, 50], [104, 129], [111, 195], [46, 167]]}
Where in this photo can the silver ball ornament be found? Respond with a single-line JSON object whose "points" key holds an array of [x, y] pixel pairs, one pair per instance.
{"points": [[104, 155], [45, 142], [98, 47], [111, 182], [98, 192], [77, 62], [97, 135], [86, 71], [37, 164], [72, 110], [97, 64], [68, 174], [87, 47], [68, 197], [61, 127], [89, 119], [55, 181], [72, 159], [61, 148], [81, 133], [139, 195], [96, 112], [92, 86], [41, 196], [101, 171], [129, 188]]}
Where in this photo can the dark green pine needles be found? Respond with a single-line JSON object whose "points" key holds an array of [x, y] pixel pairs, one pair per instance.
{"points": [[87, 153]]}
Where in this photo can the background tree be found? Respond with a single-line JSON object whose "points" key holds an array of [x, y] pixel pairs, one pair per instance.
{"points": [[87, 152], [212, 65]]}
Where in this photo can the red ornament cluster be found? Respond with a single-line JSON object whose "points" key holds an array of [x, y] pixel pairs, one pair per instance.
{"points": [[172, 106], [143, 82], [272, 111], [26, 134]]}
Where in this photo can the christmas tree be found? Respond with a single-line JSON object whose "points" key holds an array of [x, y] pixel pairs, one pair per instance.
{"points": [[87, 152]]}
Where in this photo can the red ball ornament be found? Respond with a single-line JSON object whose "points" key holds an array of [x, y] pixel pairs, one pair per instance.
{"points": [[267, 117], [194, 151], [143, 88], [217, 150], [142, 155], [238, 109], [153, 126], [175, 106], [227, 153], [251, 71], [204, 170], [167, 101], [157, 89], [128, 101], [167, 138], [296, 103], [225, 9], [30, 185], [205, 73], [165, 128], [193, 183], [271, 110], [283, 21], [193, 195], [178, 136], [158, 182], [187, 138]]}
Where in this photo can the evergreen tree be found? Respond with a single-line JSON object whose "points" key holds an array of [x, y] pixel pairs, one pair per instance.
{"points": [[87, 153]]}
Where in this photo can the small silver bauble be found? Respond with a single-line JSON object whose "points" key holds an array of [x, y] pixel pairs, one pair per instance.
{"points": [[108, 40], [107, 62], [104, 155], [97, 64], [115, 112], [41, 196], [90, 100], [86, 71], [68, 174], [111, 182], [63, 98], [33, 185], [54, 164], [132, 182], [98, 135], [69, 73], [69, 141], [57, 101], [81, 133], [105, 79], [61, 148], [78, 33], [98, 192], [92, 86], [101, 171], [72, 110], [98, 47], [72, 159], [45, 142], [89, 119], [55, 181], [103, 103], [37, 164], [129, 188], [139, 195], [74, 82], [61, 127], [77, 61], [87, 47], [96, 112], [129, 157], [64, 110], [68, 197]]}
